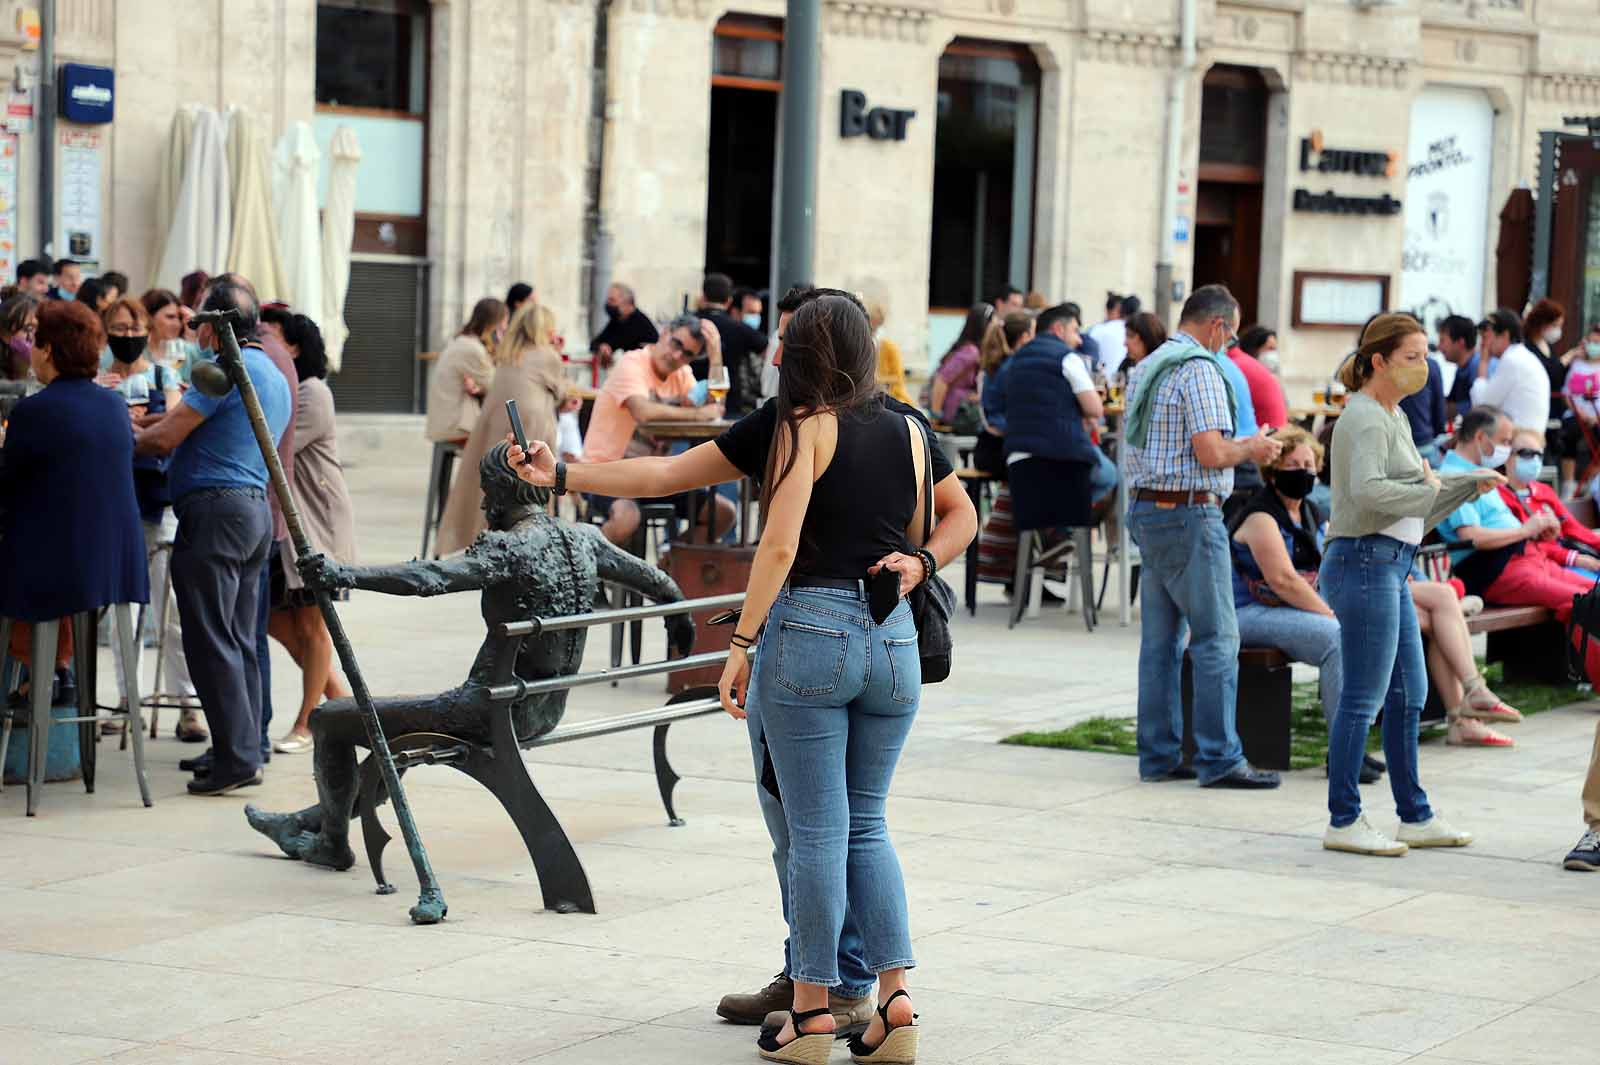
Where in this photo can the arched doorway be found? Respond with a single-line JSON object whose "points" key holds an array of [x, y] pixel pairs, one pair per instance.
{"points": [[1232, 175]]}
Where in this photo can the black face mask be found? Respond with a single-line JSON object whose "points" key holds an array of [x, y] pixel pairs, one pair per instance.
{"points": [[1294, 484], [127, 349], [613, 311]]}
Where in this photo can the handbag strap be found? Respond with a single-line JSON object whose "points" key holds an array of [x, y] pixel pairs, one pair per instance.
{"points": [[927, 481]]}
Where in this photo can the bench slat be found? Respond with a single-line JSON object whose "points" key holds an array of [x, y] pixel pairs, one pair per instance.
{"points": [[606, 726], [1499, 619]]}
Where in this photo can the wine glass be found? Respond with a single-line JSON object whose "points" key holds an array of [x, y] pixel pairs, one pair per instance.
{"points": [[717, 384]]}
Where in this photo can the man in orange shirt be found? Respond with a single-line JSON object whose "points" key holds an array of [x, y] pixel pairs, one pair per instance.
{"points": [[651, 384]]}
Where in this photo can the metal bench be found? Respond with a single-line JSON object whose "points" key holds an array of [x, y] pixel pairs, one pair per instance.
{"points": [[498, 764]]}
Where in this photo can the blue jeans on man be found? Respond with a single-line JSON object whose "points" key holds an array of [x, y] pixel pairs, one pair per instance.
{"points": [[1186, 586]]}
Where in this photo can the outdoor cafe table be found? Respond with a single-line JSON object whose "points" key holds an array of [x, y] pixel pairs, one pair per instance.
{"points": [[695, 433]]}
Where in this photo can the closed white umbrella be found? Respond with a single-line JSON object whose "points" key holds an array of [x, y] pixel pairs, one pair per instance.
{"points": [[253, 250], [338, 233], [294, 199], [202, 220], [169, 182]]}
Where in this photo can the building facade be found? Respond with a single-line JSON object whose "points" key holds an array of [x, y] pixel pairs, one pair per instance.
{"points": [[1337, 155]]}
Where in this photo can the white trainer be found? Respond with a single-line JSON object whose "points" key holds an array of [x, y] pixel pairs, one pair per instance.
{"points": [[1359, 837], [1434, 832]]}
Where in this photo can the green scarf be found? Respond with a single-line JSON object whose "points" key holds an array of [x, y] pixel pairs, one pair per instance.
{"points": [[1168, 357]]}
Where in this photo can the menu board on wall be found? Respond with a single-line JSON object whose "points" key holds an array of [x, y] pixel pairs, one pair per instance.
{"points": [[80, 194], [1447, 204], [8, 205]]}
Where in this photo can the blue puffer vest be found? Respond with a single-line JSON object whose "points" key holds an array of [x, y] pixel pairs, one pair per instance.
{"points": [[1042, 415]]}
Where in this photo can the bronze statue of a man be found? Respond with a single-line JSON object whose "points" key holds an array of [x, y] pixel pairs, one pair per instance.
{"points": [[527, 564]]}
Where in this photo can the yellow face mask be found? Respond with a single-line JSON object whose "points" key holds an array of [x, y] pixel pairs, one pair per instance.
{"points": [[1409, 377]]}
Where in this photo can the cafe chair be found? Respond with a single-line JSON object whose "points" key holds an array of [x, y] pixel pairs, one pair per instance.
{"points": [[40, 716], [445, 454]]}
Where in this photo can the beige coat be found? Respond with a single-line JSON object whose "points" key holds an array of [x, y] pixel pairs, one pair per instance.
{"points": [[320, 494], [452, 410], [538, 383]]}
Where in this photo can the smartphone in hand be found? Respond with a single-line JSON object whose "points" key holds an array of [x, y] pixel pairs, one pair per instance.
{"points": [[516, 427]]}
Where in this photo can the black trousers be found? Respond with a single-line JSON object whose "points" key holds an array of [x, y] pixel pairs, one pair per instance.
{"points": [[217, 560]]}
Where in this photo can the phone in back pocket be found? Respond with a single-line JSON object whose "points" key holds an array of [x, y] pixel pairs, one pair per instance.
{"points": [[883, 594]]}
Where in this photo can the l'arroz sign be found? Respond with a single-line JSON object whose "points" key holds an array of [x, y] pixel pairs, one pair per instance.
{"points": [[88, 94], [1315, 157]]}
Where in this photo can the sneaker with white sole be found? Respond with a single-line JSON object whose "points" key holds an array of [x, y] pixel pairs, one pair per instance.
{"points": [[1434, 832], [1359, 837], [1585, 857]]}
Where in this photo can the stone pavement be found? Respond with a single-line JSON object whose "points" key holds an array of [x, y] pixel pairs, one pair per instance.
{"points": [[1063, 912]]}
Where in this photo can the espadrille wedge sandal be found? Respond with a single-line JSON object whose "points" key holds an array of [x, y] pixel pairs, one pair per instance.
{"points": [[899, 1046], [804, 1048]]}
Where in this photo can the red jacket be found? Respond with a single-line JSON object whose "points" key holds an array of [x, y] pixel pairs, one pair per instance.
{"points": [[1543, 498]]}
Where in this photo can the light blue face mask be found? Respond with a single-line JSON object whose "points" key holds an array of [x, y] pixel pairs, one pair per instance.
{"points": [[1592, 348], [1528, 470], [753, 321]]}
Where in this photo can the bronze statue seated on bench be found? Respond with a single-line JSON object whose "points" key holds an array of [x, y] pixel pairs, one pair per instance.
{"points": [[527, 564]]}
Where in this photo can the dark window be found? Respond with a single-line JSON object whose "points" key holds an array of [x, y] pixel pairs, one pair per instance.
{"points": [[1233, 109], [370, 53], [983, 172]]}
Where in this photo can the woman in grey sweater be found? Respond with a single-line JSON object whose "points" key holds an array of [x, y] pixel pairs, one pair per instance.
{"points": [[1385, 498]]}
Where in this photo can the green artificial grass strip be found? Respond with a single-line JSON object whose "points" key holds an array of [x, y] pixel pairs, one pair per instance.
{"points": [[1308, 735]]}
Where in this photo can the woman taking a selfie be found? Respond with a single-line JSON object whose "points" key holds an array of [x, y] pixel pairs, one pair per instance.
{"points": [[829, 671]]}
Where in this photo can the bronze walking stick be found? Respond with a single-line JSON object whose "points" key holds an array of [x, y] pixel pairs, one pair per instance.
{"points": [[216, 380]]}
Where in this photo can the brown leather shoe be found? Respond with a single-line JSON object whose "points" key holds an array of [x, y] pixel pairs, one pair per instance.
{"points": [[850, 1015], [753, 1008]]}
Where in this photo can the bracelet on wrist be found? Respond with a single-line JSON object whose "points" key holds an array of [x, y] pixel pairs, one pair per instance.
{"points": [[560, 487], [930, 565], [744, 643]]}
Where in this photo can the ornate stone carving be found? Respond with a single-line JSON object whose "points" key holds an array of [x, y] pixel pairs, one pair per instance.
{"points": [[695, 9], [1127, 49], [907, 22], [1372, 72], [1566, 89]]}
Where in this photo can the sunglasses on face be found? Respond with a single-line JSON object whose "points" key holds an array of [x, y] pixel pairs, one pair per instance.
{"points": [[684, 348], [1529, 453]]}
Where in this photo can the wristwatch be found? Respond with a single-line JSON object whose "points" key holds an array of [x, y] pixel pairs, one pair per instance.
{"points": [[561, 479]]}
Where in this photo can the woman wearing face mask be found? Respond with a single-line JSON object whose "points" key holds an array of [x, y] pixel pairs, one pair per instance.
{"points": [[1385, 498], [1582, 422], [1574, 547], [19, 317], [1542, 331], [1277, 539], [1256, 355], [151, 390]]}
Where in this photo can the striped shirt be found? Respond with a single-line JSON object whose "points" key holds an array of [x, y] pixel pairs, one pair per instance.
{"points": [[1191, 399]]}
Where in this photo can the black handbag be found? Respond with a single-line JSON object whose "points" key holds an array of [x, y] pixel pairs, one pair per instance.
{"points": [[933, 602]]}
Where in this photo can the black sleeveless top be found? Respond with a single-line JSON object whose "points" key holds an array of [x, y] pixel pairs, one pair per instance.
{"points": [[862, 504]]}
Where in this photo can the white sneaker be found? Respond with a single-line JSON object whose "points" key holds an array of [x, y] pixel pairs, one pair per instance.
{"points": [[1471, 606], [1434, 832], [1359, 837]]}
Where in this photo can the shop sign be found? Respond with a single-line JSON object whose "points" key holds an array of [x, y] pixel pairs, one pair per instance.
{"points": [[19, 112], [1317, 157], [87, 93], [1331, 202], [1448, 177], [878, 123]]}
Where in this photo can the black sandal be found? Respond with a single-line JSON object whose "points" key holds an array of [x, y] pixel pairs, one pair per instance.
{"points": [[899, 1046], [806, 1048]]}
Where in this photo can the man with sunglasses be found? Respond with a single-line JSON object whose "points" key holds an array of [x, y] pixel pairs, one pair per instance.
{"points": [[1574, 547], [651, 384]]}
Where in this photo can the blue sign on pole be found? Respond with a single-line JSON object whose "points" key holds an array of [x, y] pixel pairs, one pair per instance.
{"points": [[1180, 232], [88, 94]]}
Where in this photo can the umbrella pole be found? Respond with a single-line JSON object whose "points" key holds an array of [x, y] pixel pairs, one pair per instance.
{"points": [[430, 907]]}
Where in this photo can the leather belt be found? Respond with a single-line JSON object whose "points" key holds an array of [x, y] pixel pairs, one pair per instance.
{"points": [[1175, 498], [838, 583]]}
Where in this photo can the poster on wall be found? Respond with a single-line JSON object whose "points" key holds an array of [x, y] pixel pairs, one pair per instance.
{"points": [[1447, 204], [80, 194], [8, 205]]}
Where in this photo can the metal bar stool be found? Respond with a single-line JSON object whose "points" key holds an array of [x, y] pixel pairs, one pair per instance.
{"points": [[40, 718], [445, 454]]}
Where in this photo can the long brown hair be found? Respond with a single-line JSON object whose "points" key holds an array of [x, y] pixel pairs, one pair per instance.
{"points": [[1002, 338], [829, 364], [486, 314], [1380, 336]]}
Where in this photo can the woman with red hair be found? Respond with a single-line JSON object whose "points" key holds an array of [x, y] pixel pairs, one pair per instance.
{"points": [[70, 537]]}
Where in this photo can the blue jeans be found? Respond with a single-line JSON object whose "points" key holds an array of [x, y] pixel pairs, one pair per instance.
{"points": [[264, 649], [836, 695], [1365, 582], [1304, 637], [1103, 477], [1187, 586]]}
